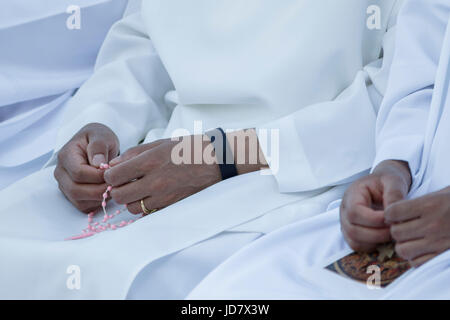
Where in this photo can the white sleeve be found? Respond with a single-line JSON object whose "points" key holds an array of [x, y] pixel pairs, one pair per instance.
{"points": [[330, 143], [126, 91], [404, 113]]}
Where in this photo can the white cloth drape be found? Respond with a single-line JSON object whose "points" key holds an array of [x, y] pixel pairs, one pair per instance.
{"points": [[42, 62], [183, 62], [227, 63], [414, 126]]}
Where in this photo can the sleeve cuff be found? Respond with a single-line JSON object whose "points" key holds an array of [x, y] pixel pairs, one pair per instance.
{"points": [[408, 149]]}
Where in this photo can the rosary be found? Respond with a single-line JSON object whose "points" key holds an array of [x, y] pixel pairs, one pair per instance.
{"points": [[97, 227]]}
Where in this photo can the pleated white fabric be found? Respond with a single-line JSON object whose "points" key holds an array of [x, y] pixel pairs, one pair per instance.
{"points": [[42, 62], [311, 70], [414, 126]]}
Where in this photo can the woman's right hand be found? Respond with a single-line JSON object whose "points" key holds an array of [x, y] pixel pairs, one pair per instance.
{"points": [[78, 174]]}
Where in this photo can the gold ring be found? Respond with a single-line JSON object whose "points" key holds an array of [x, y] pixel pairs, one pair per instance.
{"points": [[145, 210]]}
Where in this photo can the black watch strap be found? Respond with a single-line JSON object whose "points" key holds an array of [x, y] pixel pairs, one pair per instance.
{"points": [[224, 156]]}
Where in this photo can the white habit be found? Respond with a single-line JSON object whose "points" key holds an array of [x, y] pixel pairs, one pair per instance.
{"points": [[414, 126], [313, 70], [42, 63]]}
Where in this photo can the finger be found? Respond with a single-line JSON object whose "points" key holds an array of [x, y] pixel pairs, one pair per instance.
{"points": [[130, 170], [359, 246], [366, 217], [367, 193], [403, 211], [150, 203], [128, 155], [394, 190], [83, 206], [76, 191], [366, 235], [358, 204], [413, 249], [132, 191], [407, 231], [423, 259], [101, 148], [156, 202], [133, 152], [87, 206], [75, 163]]}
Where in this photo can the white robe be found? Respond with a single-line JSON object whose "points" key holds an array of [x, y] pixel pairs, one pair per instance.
{"points": [[296, 66], [414, 126], [42, 62]]}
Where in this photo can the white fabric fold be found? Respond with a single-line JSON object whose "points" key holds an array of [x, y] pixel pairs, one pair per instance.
{"points": [[232, 64], [34, 236], [414, 126]]}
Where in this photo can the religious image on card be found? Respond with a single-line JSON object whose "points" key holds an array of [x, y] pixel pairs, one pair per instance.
{"points": [[355, 265]]}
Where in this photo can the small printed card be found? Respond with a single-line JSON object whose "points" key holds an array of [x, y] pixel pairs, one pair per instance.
{"points": [[355, 265]]}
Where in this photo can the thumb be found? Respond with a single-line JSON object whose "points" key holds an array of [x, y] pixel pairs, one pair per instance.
{"points": [[393, 192], [97, 151]]}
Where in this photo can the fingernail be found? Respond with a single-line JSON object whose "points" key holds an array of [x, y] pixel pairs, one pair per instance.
{"points": [[98, 159]]}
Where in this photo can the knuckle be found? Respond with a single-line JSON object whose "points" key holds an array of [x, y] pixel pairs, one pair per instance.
{"points": [[352, 215]]}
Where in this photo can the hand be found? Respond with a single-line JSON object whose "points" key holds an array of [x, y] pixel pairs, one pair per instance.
{"points": [[148, 172], [362, 208], [77, 172], [421, 227]]}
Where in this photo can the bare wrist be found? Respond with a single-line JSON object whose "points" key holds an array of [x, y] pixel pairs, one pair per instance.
{"points": [[247, 153]]}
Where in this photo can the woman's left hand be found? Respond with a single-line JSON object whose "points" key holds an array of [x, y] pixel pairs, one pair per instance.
{"points": [[148, 172]]}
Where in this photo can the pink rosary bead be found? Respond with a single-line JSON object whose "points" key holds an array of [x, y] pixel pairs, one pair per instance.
{"points": [[104, 166], [98, 227]]}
